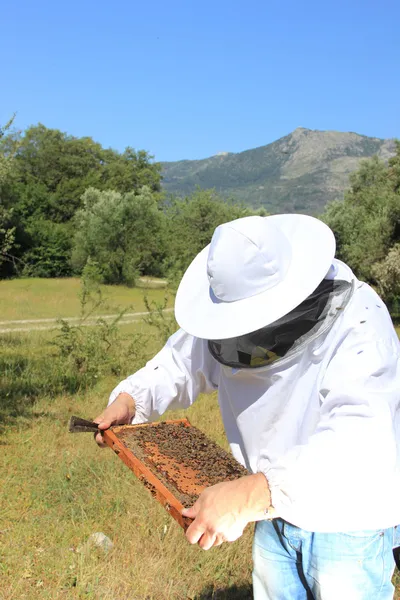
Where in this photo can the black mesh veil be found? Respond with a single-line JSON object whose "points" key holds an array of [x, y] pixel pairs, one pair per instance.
{"points": [[285, 336]]}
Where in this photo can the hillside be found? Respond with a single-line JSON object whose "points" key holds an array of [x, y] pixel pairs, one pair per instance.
{"points": [[300, 172]]}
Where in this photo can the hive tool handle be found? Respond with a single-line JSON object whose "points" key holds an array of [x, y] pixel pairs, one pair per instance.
{"points": [[78, 425]]}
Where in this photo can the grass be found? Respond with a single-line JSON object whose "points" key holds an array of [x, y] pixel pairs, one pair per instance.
{"points": [[53, 298], [396, 583], [32, 367], [58, 489]]}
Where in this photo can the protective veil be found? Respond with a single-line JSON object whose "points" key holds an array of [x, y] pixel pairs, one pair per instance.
{"points": [[288, 335]]}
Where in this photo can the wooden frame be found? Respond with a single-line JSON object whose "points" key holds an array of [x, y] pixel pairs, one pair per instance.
{"points": [[157, 489]]}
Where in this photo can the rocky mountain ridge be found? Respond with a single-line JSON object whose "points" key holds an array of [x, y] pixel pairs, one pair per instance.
{"points": [[300, 172]]}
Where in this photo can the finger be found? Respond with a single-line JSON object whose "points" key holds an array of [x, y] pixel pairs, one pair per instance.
{"points": [[207, 541], [190, 512], [114, 416], [99, 440], [106, 416], [219, 540], [105, 423], [194, 532], [99, 419]]}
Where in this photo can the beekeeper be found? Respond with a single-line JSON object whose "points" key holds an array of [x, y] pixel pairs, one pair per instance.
{"points": [[306, 363]]}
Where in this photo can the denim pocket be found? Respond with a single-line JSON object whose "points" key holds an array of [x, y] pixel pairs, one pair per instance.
{"points": [[365, 533], [355, 564], [363, 544]]}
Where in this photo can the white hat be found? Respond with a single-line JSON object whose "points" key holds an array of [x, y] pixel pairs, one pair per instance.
{"points": [[256, 270]]}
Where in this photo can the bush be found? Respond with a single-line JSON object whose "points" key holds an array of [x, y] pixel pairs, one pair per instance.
{"points": [[122, 233], [387, 274], [50, 250], [367, 225], [96, 346]]}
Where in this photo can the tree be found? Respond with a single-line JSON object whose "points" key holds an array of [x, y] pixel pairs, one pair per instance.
{"points": [[387, 274], [8, 148], [394, 169], [191, 223], [366, 223], [55, 169], [131, 170], [121, 233], [51, 172], [50, 249], [6, 154]]}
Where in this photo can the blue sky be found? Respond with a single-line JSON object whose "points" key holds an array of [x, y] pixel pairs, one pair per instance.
{"points": [[188, 79]]}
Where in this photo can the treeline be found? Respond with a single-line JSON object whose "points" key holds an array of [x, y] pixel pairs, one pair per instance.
{"points": [[367, 226], [67, 204]]}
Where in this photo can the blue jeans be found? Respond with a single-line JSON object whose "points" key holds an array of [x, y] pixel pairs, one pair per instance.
{"points": [[293, 564]]}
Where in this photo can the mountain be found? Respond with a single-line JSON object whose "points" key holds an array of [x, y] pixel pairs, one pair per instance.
{"points": [[300, 172]]}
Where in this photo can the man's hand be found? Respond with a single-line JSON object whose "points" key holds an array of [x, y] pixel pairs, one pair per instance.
{"points": [[222, 511], [120, 412]]}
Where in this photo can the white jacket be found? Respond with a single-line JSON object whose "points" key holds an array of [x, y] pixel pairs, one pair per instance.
{"points": [[324, 426]]}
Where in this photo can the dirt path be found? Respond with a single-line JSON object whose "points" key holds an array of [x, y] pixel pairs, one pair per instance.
{"points": [[46, 324]]}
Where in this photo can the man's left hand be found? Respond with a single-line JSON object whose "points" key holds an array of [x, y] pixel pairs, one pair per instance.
{"points": [[222, 511]]}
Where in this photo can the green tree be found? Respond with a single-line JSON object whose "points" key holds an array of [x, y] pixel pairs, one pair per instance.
{"points": [[387, 274], [367, 223], [51, 172], [122, 233], [50, 249], [8, 148], [7, 153], [191, 223], [394, 169], [55, 169], [131, 170]]}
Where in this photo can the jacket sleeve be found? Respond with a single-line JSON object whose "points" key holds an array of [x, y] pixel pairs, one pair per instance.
{"points": [[173, 379], [347, 469]]}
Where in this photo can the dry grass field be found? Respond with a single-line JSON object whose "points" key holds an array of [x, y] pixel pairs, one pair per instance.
{"points": [[58, 488], [22, 299]]}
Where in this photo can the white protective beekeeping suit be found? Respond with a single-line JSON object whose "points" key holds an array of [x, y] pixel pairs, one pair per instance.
{"points": [[321, 422]]}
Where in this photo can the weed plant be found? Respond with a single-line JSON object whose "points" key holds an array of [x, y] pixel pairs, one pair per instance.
{"points": [[88, 353], [162, 324], [73, 358]]}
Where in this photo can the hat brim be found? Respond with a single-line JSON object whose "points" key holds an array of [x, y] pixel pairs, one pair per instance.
{"points": [[201, 314]]}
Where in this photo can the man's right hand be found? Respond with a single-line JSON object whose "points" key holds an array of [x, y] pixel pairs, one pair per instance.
{"points": [[120, 412]]}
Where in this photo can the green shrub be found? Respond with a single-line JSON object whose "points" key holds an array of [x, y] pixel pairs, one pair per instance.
{"points": [[122, 233]]}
